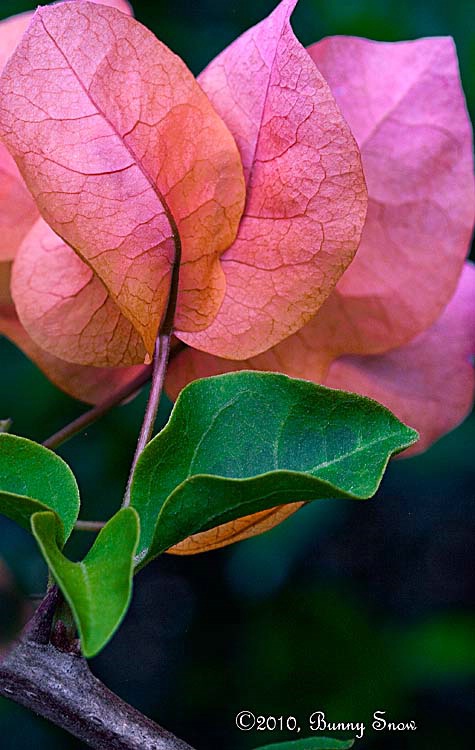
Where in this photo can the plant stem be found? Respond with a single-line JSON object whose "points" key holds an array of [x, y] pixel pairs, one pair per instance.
{"points": [[160, 363], [160, 360], [99, 410], [59, 686], [93, 526]]}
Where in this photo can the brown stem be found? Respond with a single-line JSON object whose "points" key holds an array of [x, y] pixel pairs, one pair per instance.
{"points": [[160, 363], [99, 410], [93, 526], [91, 416], [60, 687]]}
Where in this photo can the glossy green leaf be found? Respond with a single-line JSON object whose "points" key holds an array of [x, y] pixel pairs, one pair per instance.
{"points": [[312, 743], [244, 442], [99, 588], [34, 479]]}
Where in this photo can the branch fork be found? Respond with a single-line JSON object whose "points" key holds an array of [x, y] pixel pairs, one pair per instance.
{"points": [[59, 686]]}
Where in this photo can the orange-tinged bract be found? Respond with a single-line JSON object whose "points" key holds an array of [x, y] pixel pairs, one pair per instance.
{"points": [[235, 531], [57, 294], [127, 161], [18, 210], [18, 214], [89, 384]]}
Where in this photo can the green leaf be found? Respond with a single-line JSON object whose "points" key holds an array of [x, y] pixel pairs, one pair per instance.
{"points": [[244, 442], [34, 479], [312, 743], [99, 588]]}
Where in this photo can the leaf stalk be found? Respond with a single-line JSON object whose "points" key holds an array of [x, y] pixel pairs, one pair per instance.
{"points": [[98, 411]]}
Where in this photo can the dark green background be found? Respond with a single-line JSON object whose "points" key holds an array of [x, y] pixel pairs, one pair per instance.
{"points": [[348, 608]]}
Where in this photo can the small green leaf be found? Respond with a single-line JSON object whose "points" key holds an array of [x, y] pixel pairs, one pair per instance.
{"points": [[244, 442], [99, 588], [34, 479], [312, 743]]}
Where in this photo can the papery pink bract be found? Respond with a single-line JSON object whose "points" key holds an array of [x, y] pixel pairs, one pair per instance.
{"points": [[429, 383], [301, 127], [406, 107], [18, 214], [306, 197], [18, 211]]}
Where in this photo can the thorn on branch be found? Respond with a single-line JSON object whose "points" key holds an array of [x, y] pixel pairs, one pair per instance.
{"points": [[38, 629]]}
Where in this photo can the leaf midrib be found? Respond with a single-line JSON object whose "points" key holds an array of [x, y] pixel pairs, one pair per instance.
{"points": [[352, 453]]}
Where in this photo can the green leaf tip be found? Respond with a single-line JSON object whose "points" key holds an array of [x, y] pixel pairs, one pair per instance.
{"points": [[244, 442], [34, 479], [99, 588], [312, 743]]}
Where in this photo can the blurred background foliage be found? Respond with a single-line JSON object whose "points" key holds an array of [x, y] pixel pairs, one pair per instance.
{"points": [[347, 608]]}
